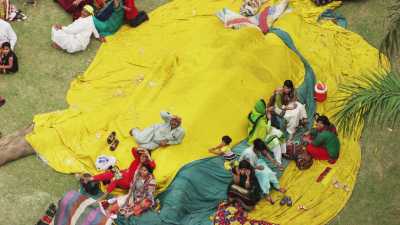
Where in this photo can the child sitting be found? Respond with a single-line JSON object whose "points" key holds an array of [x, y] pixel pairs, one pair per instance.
{"points": [[9, 61], [224, 150]]}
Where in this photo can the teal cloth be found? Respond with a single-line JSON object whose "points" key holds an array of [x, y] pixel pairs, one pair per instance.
{"points": [[112, 24], [199, 186], [329, 14]]}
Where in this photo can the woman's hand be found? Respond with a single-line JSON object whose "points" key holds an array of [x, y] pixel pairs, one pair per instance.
{"points": [[164, 143], [259, 167], [76, 2], [280, 167], [102, 39]]}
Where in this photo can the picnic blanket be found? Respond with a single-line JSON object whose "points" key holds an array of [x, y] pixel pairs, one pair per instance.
{"points": [[76, 208], [184, 60]]}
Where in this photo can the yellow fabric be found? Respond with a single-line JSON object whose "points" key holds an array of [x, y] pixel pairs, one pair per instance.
{"points": [[184, 60], [225, 149]]}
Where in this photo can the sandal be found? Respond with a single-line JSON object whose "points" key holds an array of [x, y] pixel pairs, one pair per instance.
{"points": [[114, 145], [289, 202], [284, 201], [111, 137]]}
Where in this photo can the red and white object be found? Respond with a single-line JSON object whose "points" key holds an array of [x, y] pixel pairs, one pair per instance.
{"points": [[320, 92]]}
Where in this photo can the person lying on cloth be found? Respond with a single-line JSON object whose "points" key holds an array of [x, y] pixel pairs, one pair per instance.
{"points": [[262, 21], [139, 198], [168, 133], [244, 188], [75, 7], [141, 157], [76, 36], [287, 113], [323, 142], [260, 128], [264, 174]]}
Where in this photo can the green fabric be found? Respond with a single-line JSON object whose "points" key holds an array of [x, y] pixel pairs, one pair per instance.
{"points": [[329, 14], [194, 194], [112, 24], [258, 125], [328, 140], [199, 186]]}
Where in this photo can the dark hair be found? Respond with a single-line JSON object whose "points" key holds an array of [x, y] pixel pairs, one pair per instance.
{"points": [[6, 44], [289, 84], [91, 187], [259, 145], [148, 168], [226, 139], [244, 164], [324, 120]]}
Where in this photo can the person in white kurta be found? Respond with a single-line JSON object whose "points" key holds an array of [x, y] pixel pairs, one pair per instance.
{"points": [[294, 115], [7, 34], [168, 133], [76, 36]]}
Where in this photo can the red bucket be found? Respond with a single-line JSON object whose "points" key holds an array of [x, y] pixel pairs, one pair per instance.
{"points": [[320, 92]]}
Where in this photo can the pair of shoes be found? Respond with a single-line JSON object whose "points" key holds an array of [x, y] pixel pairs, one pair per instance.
{"points": [[286, 201], [113, 141]]}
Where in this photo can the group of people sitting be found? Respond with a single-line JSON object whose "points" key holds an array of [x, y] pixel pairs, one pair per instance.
{"points": [[138, 178], [97, 18], [279, 121], [253, 176]]}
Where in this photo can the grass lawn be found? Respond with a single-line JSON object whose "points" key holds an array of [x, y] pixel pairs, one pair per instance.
{"points": [[27, 186]]}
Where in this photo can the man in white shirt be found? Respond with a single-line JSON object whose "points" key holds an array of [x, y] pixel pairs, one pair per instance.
{"points": [[7, 34], [168, 133], [76, 36]]}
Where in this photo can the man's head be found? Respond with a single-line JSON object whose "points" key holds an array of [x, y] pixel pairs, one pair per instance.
{"points": [[87, 11], [6, 47], [175, 122]]}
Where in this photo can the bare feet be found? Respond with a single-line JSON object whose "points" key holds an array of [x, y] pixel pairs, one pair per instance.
{"points": [[282, 190], [56, 46], [270, 200]]}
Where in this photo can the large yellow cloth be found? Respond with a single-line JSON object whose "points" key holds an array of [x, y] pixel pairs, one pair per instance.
{"points": [[184, 60]]}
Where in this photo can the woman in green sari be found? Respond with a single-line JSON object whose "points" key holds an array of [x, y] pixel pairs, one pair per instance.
{"points": [[113, 23]]}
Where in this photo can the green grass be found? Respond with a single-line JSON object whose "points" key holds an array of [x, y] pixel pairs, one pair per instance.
{"points": [[27, 186]]}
